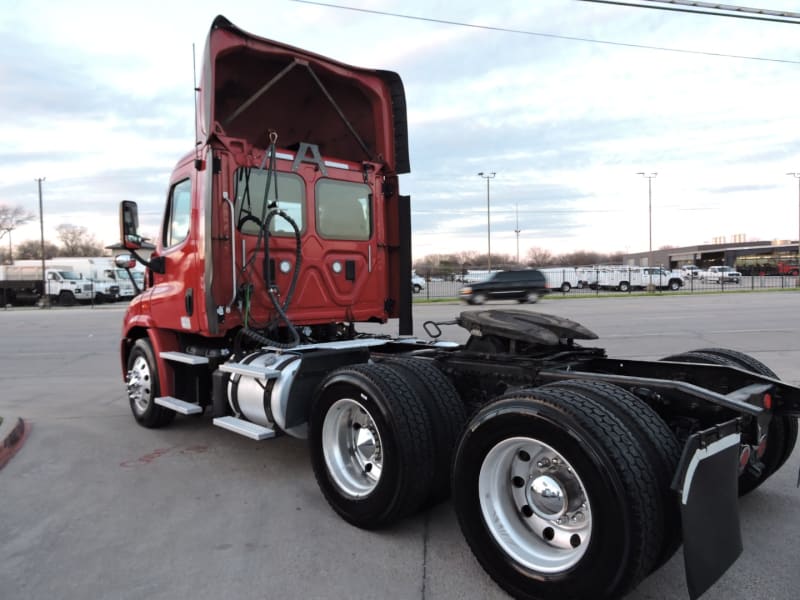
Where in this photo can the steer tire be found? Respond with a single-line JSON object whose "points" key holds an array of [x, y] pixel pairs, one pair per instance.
{"points": [[363, 407], [600, 470], [782, 431], [446, 414], [654, 436], [144, 387]]}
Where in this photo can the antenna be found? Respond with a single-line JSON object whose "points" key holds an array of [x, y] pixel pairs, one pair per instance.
{"points": [[196, 132]]}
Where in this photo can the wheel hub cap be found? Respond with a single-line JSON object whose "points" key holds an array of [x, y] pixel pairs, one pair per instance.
{"points": [[535, 505], [352, 448]]}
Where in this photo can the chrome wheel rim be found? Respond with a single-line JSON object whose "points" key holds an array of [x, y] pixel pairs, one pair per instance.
{"points": [[140, 385], [535, 505], [351, 445]]}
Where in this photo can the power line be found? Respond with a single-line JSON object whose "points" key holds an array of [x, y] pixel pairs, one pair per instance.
{"points": [[713, 9], [546, 35]]}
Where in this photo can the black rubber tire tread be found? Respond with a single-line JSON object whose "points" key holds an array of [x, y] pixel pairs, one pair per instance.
{"points": [[66, 298], [409, 434], [628, 469], [742, 360], [702, 358], [154, 416], [446, 414], [782, 429], [654, 436]]}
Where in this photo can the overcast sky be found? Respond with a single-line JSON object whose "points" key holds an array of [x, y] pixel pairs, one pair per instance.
{"points": [[97, 97]]}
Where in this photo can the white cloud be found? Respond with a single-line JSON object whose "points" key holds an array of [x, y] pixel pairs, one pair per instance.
{"points": [[102, 107]]}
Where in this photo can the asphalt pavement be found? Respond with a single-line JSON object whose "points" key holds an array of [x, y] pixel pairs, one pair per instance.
{"points": [[94, 506]]}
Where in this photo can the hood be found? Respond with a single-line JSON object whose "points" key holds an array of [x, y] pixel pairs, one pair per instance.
{"points": [[250, 86]]}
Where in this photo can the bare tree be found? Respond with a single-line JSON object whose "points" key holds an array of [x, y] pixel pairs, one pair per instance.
{"points": [[77, 241], [539, 257], [12, 217], [30, 249]]}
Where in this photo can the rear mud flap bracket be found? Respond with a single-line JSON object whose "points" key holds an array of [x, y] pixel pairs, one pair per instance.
{"points": [[707, 483]]}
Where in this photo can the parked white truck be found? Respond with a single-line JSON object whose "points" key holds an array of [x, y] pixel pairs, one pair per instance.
{"points": [[563, 279], [624, 278], [24, 284], [92, 270]]}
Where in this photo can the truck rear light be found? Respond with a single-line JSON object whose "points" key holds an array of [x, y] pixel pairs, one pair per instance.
{"points": [[744, 457], [768, 401], [762, 446]]}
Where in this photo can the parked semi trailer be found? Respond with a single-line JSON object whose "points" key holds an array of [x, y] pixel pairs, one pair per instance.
{"points": [[573, 474]]}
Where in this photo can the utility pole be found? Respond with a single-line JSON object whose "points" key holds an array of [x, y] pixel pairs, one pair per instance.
{"points": [[45, 297], [517, 231], [797, 176], [487, 176], [649, 214]]}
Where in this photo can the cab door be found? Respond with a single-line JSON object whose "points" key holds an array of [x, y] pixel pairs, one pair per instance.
{"points": [[176, 293]]}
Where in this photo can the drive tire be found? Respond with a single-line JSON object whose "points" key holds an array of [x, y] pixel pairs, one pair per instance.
{"points": [[624, 286], [674, 285], [782, 431], [372, 401], [144, 387], [614, 479], [657, 440], [446, 414], [565, 287]]}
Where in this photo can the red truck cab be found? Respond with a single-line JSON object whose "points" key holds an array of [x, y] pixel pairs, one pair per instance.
{"points": [[287, 215]]}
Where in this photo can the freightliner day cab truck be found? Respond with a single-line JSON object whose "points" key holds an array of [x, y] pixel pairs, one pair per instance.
{"points": [[573, 475]]}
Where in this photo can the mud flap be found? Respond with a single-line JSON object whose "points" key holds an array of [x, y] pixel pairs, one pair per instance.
{"points": [[707, 483]]}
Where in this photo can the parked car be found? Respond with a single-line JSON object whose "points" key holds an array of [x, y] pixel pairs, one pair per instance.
{"points": [[719, 274], [690, 271], [524, 285], [417, 283]]}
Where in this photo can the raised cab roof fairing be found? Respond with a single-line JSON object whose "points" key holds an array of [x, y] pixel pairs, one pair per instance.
{"points": [[251, 86]]}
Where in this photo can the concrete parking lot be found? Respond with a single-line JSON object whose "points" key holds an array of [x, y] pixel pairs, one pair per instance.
{"points": [[94, 506]]}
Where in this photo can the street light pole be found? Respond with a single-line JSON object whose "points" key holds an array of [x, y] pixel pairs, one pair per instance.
{"points": [[797, 176], [487, 176], [45, 297], [517, 231], [650, 178]]}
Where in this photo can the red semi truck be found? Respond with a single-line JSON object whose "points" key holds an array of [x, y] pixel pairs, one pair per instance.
{"points": [[573, 475]]}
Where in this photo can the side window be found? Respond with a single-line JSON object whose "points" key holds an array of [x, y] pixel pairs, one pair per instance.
{"points": [[287, 188], [344, 210], [179, 210]]}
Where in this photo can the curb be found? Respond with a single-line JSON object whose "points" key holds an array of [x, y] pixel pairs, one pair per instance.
{"points": [[13, 431]]}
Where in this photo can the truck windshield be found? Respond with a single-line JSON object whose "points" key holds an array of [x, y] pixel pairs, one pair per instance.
{"points": [[287, 189], [68, 275]]}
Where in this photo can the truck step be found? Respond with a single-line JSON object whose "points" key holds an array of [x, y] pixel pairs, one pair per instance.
{"points": [[179, 406], [249, 371], [245, 428], [184, 358]]}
